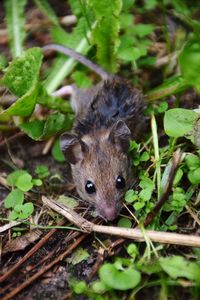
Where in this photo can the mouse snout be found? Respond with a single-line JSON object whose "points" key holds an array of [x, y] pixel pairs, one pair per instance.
{"points": [[109, 212]]}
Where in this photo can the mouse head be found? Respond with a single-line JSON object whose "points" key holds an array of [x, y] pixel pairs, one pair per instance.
{"points": [[100, 167]]}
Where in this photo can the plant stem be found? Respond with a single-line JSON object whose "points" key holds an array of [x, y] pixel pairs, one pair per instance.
{"points": [[156, 152], [82, 47]]}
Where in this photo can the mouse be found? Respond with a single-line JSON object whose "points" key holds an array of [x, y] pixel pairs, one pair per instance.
{"points": [[107, 117]]}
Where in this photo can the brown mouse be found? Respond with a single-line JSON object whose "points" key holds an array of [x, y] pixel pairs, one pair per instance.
{"points": [[107, 117]]}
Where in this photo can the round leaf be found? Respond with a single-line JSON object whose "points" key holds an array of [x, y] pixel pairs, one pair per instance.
{"points": [[179, 122], [14, 198], [119, 280], [124, 222], [24, 182], [12, 177]]}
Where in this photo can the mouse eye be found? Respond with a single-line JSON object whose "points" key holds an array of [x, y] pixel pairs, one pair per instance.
{"points": [[90, 187], [120, 182]]}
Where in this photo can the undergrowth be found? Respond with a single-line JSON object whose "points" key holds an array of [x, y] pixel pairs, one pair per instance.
{"points": [[156, 46]]}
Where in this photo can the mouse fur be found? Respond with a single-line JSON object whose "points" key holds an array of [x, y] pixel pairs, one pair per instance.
{"points": [[107, 117]]}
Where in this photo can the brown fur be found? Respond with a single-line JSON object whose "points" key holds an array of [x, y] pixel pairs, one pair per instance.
{"points": [[97, 149], [101, 165]]}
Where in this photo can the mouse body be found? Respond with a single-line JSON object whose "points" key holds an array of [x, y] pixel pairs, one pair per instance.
{"points": [[107, 116]]}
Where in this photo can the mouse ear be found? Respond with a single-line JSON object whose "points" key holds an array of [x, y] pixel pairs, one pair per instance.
{"points": [[120, 135], [72, 147]]}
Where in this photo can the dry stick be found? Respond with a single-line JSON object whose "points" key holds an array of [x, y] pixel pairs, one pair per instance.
{"points": [[130, 233], [69, 238], [44, 270], [30, 253], [166, 193]]}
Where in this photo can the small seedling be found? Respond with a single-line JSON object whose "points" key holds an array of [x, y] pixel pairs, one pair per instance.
{"points": [[21, 182]]}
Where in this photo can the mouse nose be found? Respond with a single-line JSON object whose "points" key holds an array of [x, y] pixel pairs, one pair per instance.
{"points": [[110, 213]]}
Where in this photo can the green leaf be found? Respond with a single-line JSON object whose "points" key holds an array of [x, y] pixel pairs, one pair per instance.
{"points": [[144, 156], [190, 56], [68, 201], [23, 72], [15, 197], [57, 152], [81, 79], [138, 205], [124, 222], [78, 256], [52, 102], [28, 209], [42, 171], [178, 122], [24, 182], [34, 129], [78, 40], [131, 196], [106, 8], [13, 215], [131, 53], [98, 287], [45, 7], [192, 161], [119, 280], [21, 78], [169, 87], [143, 30], [132, 250], [15, 21], [105, 35], [37, 182], [178, 267], [194, 176], [80, 287], [54, 124], [12, 177]]}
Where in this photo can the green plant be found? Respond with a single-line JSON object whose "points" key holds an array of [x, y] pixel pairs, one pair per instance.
{"points": [[21, 182]]}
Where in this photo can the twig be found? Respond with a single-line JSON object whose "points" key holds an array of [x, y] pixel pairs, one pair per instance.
{"points": [[29, 254], [193, 215], [166, 193], [9, 225], [129, 233], [48, 145], [44, 270]]}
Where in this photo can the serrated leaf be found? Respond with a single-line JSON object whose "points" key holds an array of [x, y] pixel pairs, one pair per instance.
{"points": [[21, 78], [15, 21], [106, 8], [23, 72], [105, 37], [45, 7], [14, 197]]}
